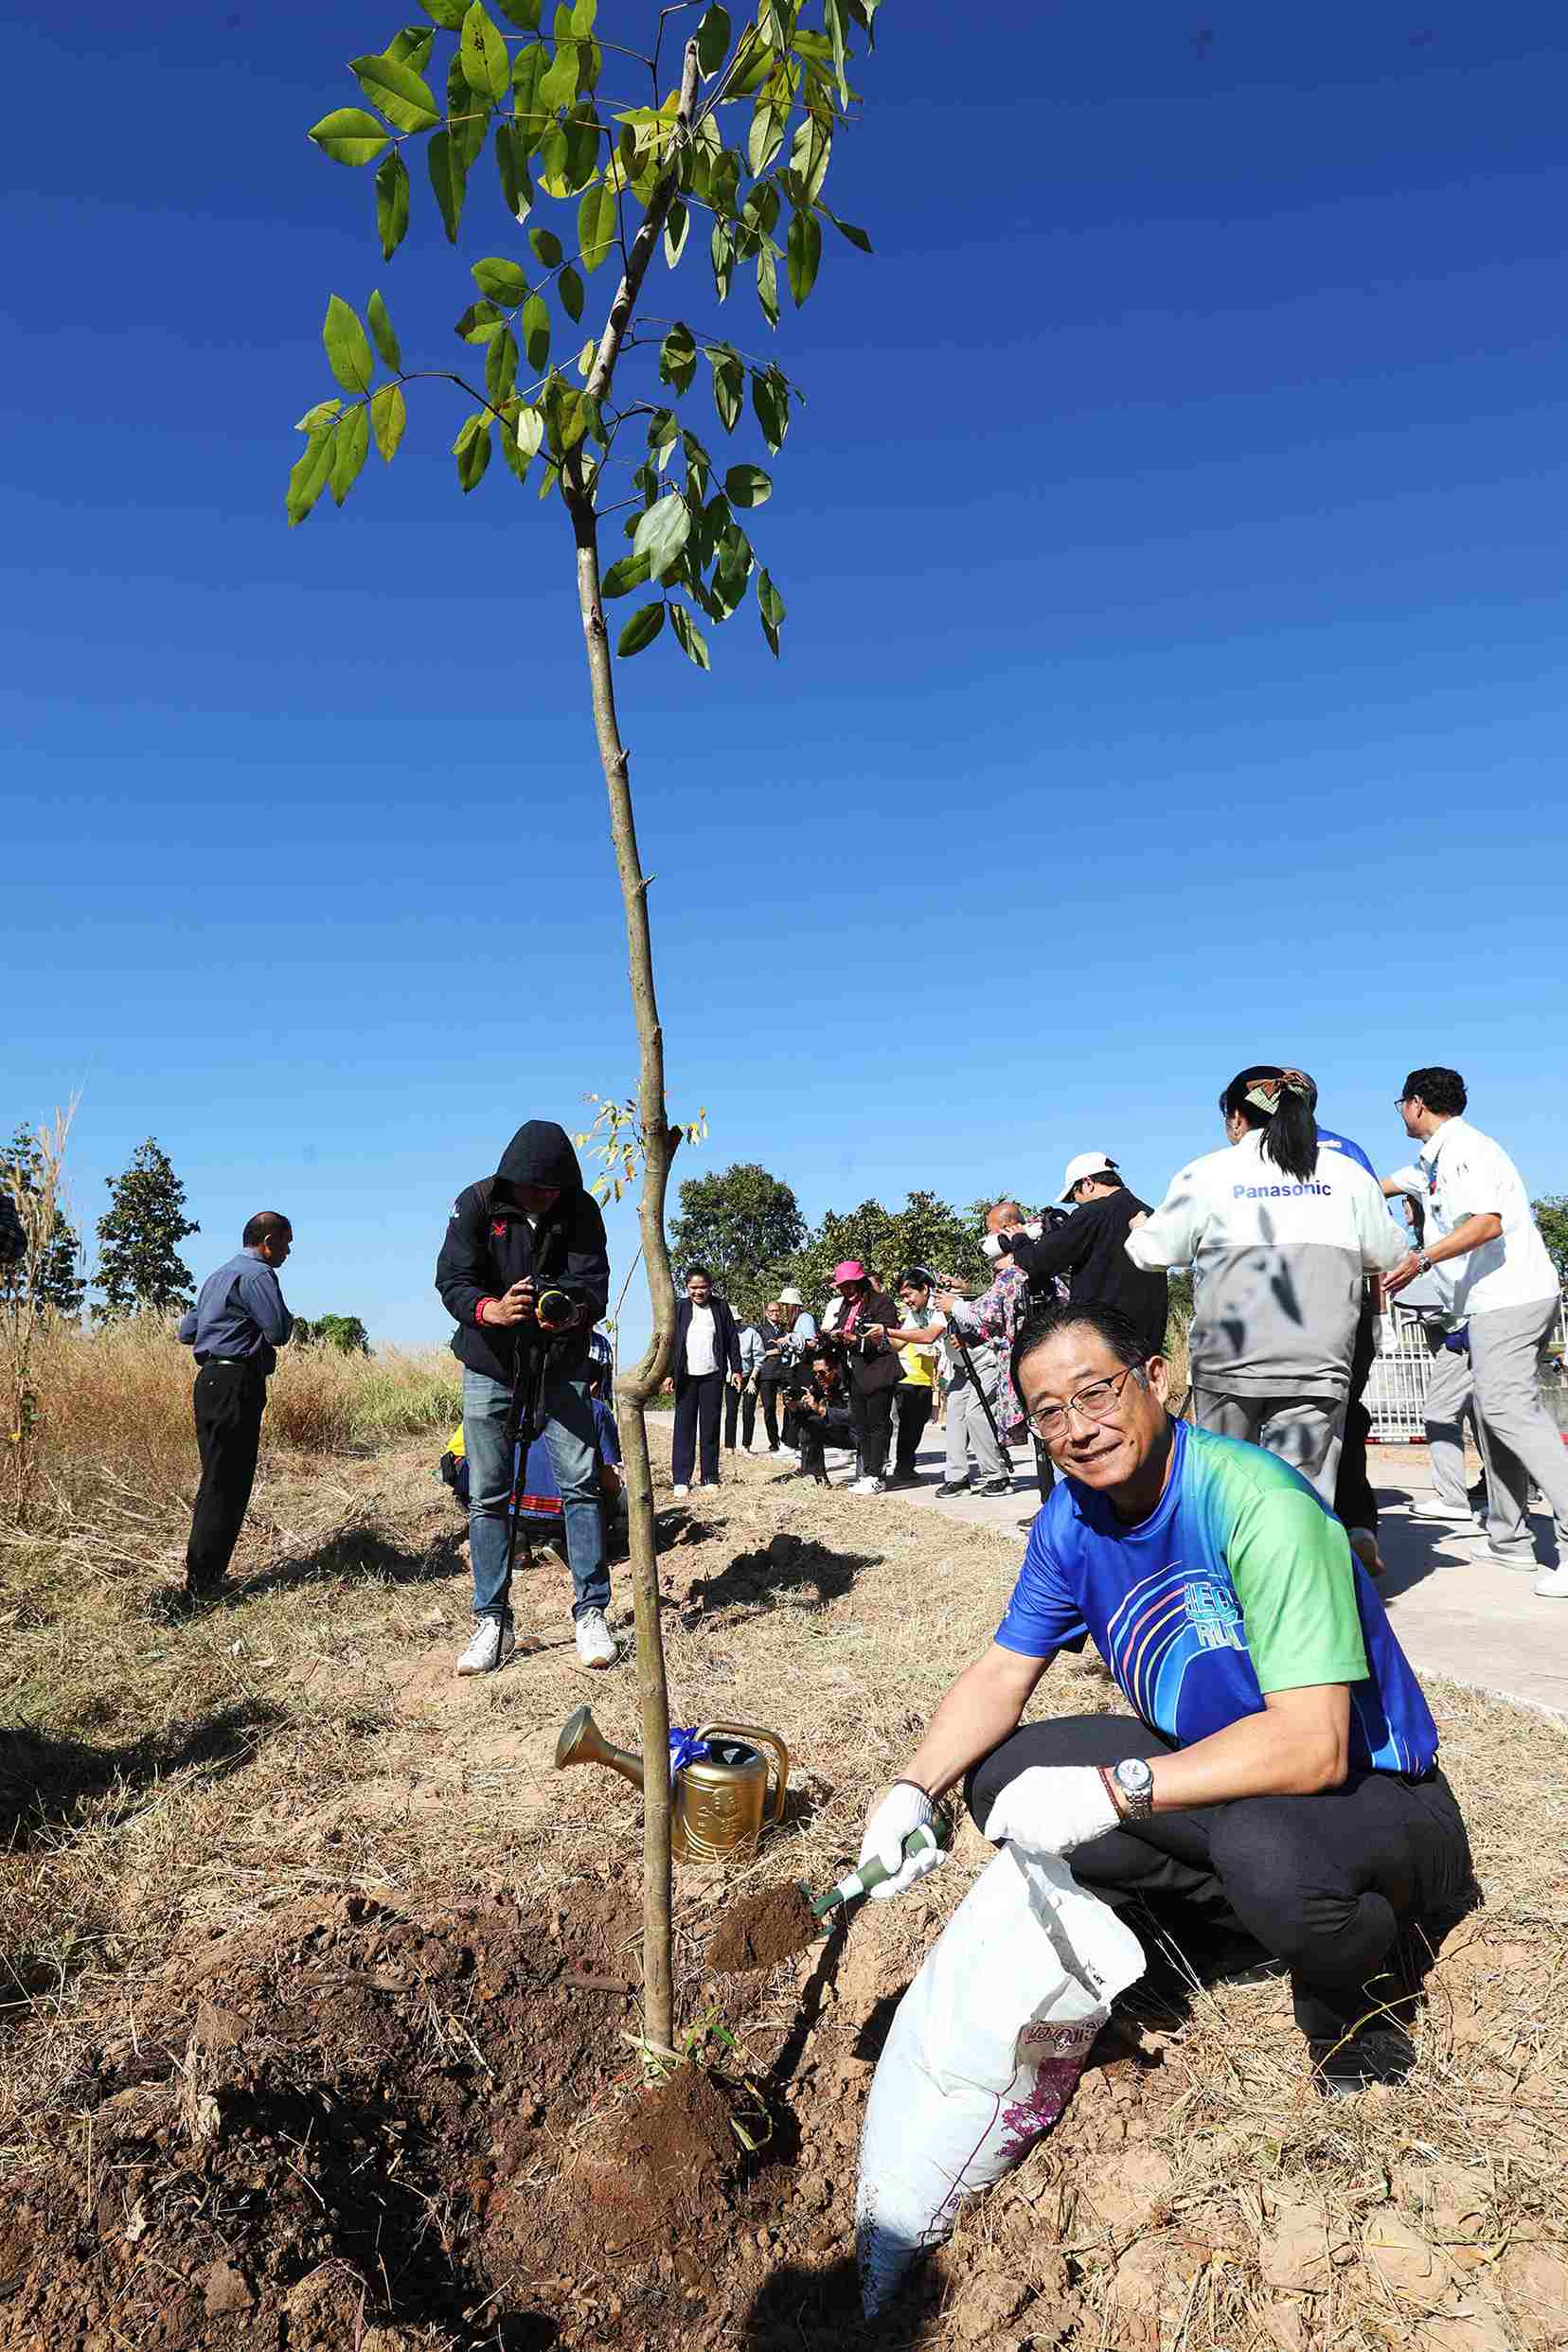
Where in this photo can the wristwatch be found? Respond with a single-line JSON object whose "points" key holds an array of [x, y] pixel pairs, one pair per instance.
{"points": [[1423, 1261], [1131, 1785]]}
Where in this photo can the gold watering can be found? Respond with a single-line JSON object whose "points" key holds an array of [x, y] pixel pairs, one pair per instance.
{"points": [[717, 1802]]}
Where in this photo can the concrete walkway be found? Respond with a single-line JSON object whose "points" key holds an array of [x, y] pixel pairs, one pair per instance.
{"points": [[1456, 1613]]}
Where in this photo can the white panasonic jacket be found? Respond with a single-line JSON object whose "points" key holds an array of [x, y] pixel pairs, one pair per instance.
{"points": [[1277, 1266]]}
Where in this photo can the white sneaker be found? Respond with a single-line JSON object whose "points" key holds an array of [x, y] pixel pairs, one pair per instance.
{"points": [[680, 1493], [1552, 1583], [1432, 1507], [492, 1646], [868, 1486], [596, 1644]]}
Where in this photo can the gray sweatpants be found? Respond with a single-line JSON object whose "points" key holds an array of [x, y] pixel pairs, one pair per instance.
{"points": [[1519, 1438], [1304, 1431], [1449, 1398], [967, 1427]]}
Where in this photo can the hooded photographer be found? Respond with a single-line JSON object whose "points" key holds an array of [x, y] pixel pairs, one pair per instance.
{"points": [[528, 1238]]}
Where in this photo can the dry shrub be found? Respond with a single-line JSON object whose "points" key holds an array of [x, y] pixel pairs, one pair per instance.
{"points": [[114, 1410]]}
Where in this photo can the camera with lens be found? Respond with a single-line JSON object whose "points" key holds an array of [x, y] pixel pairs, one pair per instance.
{"points": [[554, 1311]]}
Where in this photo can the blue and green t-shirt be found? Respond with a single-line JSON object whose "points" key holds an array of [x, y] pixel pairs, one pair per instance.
{"points": [[1240, 1581]]}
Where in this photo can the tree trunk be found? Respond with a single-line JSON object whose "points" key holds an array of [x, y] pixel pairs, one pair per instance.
{"points": [[633, 1388]]}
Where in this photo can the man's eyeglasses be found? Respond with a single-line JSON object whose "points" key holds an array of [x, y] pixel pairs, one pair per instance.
{"points": [[1100, 1401]]}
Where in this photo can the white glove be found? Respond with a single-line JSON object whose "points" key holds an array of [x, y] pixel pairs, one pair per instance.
{"points": [[1052, 1807], [902, 1808]]}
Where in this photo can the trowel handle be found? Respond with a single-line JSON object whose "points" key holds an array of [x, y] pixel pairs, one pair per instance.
{"points": [[861, 1881]]}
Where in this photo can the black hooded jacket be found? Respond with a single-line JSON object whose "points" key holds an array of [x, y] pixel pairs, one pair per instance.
{"points": [[490, 1244]]}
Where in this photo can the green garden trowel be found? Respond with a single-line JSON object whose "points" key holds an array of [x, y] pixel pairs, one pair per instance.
{"points": [[861, 1881]]}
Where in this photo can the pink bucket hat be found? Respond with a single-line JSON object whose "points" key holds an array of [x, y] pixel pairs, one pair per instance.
{"points": [[850, 1270]]}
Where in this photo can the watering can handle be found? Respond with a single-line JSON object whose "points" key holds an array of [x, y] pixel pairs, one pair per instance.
{"points": [[767, 1739]]}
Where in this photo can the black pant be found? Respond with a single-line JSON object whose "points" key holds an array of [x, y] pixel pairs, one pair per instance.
{"points": [[1354, 1502], [228, 1399], [697, 1404], [915, 1403], [770, 1392], [871, 1416], [733, 1400], [1324, 1882], [816, 1433]]}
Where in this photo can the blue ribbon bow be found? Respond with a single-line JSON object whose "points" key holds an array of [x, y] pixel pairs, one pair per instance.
{"points": [[685, 1748]]}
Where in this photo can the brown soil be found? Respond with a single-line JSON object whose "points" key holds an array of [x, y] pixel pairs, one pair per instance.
{"points": [[762, 1929]]}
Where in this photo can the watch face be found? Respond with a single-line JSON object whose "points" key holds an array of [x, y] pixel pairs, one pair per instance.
{"points": [[1135, 1776]]}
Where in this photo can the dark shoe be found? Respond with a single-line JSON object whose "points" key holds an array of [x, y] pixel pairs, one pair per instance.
{"points": [[1343, 2070], [901, 1478], [997, 1485], [953, 1486]]}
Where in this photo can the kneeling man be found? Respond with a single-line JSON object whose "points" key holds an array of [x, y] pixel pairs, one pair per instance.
{"points": [[1279, 1770]]}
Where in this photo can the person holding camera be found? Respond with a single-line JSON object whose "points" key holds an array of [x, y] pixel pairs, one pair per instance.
{"points": [[918, 1337], [1088, 1250], [823, 1415], [524, 1267], [864, 1318], [707, 1353]]}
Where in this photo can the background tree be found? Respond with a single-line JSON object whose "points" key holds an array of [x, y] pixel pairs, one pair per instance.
{"points": [[29, 1186], [925, 1232], [139, 1237], [347, 1334], [636, 173], [1551, 1216], [52, 1275], [741, 1223]]}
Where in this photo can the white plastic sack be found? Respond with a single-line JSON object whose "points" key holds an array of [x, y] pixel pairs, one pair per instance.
{"points": [[983, 2054]]}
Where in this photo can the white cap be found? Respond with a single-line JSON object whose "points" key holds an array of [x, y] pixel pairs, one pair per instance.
{"points": [[789, 1298], [1087, 1164]]}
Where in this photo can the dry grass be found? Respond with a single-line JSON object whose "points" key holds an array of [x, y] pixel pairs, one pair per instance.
{"points": [[168, 1786]]}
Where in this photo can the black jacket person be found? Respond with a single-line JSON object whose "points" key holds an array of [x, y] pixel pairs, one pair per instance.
{"points": [[532, 1220]]}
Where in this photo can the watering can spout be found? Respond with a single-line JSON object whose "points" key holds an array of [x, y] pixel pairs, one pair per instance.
{"points": [[582, 1742]]}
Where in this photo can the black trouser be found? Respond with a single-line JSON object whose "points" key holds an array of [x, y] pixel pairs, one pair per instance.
{"points": [[769, 1391], [1354, 1501], [871, 1414], [915, 1403], [228, 1399], [733, 1400], [697, 1404], [1324, 1882], [817, 1432]]}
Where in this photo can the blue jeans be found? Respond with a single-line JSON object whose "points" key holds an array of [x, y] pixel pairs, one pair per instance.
{"points": [[568, 1430]]}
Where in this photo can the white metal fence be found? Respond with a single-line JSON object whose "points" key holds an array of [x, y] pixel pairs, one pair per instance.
{"points": [[1395, 1392]]}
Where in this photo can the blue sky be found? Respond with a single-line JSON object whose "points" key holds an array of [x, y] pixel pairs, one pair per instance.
{"points": [[1173, 673]]}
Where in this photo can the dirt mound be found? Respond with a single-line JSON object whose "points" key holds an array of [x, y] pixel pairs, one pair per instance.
{"points": [[762, 1929]]}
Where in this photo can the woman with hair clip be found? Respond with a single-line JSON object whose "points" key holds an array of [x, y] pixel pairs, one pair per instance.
{"points": [[1278, 1239]]}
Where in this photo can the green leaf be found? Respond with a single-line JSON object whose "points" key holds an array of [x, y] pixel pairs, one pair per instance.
{"points": [[698, 465], [568, 155], [809, 156], [528, 68], [677, 222], [351, 448], [722, 246], [530, 431], [597, 224], [347, 347], [501, 369], [411, 46], [662, 533], [832, 24], [468, 113], [507, 437], [569, 286], [585, 359], [391, 203], [512, 161], [398, 91], [471, 449], [847, 228], [688, 636], [766, 284], [747, 485], [307, 477], [765, 137], [713, 40], [350, 136], [804, 253], [535, 324], [381, 327], [771, 405], [388, 415], [548, 479], [448, 14], [582, 17], [729, 383], [501, 279], [678, 357], [770, 605], [486, 68], [449, 178], [627, 572], [480, 323], [558, 86], [315, 418], [642, 627], [522, 13], [546, 245]]}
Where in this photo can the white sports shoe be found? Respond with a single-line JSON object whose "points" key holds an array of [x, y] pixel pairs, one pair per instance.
{"points": [[1432, 1507], [868, 1486], [596, 1644], [1552, 1583], [492, 1646], [680, 1493]]}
